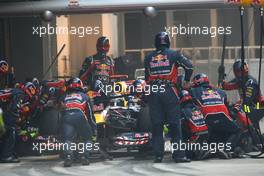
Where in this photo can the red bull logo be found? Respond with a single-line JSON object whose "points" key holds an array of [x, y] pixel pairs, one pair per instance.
{"points": [[196, 115], [159, 58], [159, 61], [103, 67]]}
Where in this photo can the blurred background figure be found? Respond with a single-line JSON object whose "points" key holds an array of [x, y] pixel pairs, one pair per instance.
{"points": [[7, 77]]}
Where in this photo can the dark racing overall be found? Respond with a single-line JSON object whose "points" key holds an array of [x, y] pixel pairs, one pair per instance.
{"points": [[248, 110], [253, 94], [99, 66], [77, 119], [194, 126], [16, 106], [161, 69], [213, 102]]}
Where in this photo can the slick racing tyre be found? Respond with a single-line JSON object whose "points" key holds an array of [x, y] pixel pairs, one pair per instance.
{"points": [[49, 122]]}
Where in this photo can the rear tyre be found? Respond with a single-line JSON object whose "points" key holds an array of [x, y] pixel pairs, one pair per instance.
{"points": [[49, 122]]}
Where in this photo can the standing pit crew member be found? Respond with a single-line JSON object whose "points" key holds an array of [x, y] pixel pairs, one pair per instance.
{"points": [[77, 119], [212, 101], [99, 66], [16, 108], [253, 94], [161, 69]]}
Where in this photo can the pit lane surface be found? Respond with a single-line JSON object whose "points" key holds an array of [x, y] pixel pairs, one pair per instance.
{"points": [[52, 166]]}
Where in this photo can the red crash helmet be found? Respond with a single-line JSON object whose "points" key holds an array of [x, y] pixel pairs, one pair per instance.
{"points": [[185, 96], [74, 84], [30, 89], [102, 44], [3, 67], [200, 79]]}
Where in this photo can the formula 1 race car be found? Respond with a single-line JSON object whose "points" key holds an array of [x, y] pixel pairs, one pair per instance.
{"points": [[122, 119]]}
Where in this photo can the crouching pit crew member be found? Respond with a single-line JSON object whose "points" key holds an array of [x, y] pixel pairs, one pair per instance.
{"points": [[77, 119], [213, 103], [161, 68], [195, 130], [16, 108]]}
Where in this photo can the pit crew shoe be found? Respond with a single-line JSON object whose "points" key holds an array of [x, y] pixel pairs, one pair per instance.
{"points": [[182, 160], [10, 159], [158, 160], [68, 161], [85, 161]]}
